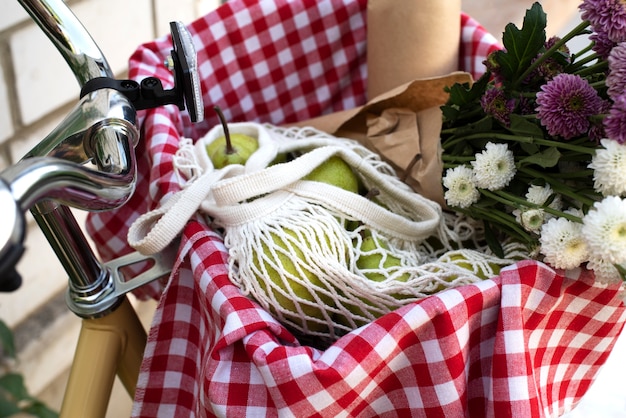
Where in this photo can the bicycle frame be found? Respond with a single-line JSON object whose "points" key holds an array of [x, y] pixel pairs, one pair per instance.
{"points": [[102, 130]]}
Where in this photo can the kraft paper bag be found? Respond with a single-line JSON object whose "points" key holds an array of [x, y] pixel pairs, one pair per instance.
{"points": [[413, 50], [403, 126], [410, 39]]}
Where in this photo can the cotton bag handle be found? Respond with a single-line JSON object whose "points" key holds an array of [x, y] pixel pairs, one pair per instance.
{"points": [[228, 195], [220, 193], [154, 230]]}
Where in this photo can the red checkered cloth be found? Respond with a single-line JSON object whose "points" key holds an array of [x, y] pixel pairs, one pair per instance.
{"points": [[526, 343]]}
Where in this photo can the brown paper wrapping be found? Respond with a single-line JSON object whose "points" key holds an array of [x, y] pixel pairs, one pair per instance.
{"points": [[413, 54], [401, 125]]}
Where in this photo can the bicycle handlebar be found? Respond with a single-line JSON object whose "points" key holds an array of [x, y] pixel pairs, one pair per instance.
{"points": [[101, 129], [72, 40]]}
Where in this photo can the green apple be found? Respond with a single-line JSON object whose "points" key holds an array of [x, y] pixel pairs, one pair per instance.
{"points": [[230, 148], [337, 172], [292, 276]]}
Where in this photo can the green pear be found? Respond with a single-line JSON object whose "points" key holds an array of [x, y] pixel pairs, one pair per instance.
{"points": [[337, 172], [461, 261], [230, 148], [375, 255], [294, 273], [280, 158]]}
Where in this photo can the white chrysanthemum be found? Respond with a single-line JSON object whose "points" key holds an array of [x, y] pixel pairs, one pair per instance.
{"points": [[604, 271], [462, 190], [604, 229], [539, 195], [562, 243], [494, 167], [530, 219], [575, 211], [609, 165]]}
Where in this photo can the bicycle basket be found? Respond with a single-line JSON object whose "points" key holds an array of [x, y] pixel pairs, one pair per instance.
{"points": [[527, 342]]}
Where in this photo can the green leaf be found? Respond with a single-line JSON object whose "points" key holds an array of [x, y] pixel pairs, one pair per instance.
{"points": [[492, 241], [464, 95], [459, 94], [13, 393], [450, 113], [524, 127], [6, 340], [13, 384], [547, 158], [8, 408], [529, 148], [40, 410], [521, 46]]}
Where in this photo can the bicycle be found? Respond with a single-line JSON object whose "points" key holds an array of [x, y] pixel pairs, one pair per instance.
{"points": [[110, 337], [88, 163]]}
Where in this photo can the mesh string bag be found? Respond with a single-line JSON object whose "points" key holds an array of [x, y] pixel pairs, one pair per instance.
{"points": [[323, 259], [526, 342]]}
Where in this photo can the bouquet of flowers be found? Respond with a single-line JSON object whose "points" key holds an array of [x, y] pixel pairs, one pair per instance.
{"points": [[535, 150]]}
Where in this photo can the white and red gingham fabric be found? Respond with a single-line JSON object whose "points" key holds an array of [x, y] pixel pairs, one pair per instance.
{"points": [[527, 343]]}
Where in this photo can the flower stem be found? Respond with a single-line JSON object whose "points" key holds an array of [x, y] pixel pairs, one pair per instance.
{"points": [[522, 139], [451, 131], [600, 67], [470, 114], [525, 204], [501, 219], [457, 158], [558, 186], [585, 60]]}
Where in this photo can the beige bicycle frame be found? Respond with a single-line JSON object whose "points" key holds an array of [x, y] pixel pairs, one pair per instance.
{"points": [[107, 346]]}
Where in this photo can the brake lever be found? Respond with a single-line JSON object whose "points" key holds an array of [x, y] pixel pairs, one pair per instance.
{"points": [[150, 92]]}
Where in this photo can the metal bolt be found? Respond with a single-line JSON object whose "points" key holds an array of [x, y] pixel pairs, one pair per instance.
{"points": [[150, 82], [169, 63]]}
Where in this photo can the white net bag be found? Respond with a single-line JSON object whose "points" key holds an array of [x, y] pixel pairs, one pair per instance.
{"points": [[328, 253]]}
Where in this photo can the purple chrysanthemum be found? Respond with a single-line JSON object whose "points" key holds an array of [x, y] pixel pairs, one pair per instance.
{"points": [[615, 122], [493, 67], [551, 67], [606, 15], [616, 80], [525, 105], [596, 131], [565, 104], [602, 45], [495, 103]]}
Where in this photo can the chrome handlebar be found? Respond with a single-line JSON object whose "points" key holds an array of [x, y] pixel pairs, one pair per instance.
{"points": [[70, 37], [101, 128], [87, 162]]}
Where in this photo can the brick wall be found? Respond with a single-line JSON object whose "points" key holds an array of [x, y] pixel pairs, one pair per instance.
{"points": [[36, 91]]}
